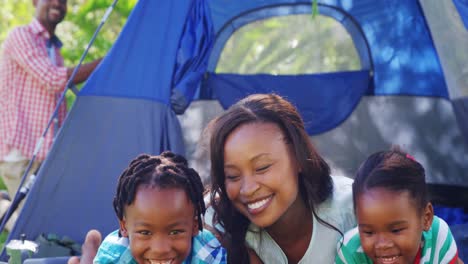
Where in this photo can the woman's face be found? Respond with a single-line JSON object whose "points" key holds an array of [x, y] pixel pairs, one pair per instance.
{"points": [[261, 173]]}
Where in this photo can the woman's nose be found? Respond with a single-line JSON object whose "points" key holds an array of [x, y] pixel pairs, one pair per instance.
{"points": [[249, 186]]}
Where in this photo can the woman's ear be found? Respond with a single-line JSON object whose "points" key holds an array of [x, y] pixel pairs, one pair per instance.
{"points": [[123, 229], [428, 216]]}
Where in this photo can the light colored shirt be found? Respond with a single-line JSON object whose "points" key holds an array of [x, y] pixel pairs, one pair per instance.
{"points": [[437, 247], [205, 249], [337, 210], [14, 156], [30, 83]]}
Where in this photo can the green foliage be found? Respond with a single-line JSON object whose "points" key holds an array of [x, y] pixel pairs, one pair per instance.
{"points": [[3, 238], [82, 21], [13, 13], [314, 8]]}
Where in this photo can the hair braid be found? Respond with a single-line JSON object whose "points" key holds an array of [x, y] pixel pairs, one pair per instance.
{"points": [[167, 170]]}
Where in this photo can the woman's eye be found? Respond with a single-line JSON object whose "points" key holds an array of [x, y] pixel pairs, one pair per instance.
{"points": [[263, 168], [232, 178]]}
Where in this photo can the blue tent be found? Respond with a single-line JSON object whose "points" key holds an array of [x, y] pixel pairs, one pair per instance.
{"points": [[403, 92]]}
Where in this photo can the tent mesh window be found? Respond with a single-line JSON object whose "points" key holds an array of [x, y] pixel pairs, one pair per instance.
{"points": [[288, 45]]}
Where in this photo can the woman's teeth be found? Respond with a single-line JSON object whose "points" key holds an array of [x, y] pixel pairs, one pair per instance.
{"points": [[256, 205]]}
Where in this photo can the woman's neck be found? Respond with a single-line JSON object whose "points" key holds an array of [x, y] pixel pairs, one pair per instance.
{"points": [[293, 231]]}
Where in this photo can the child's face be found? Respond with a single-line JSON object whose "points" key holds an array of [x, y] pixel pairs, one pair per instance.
{"points": [[390, 225], [160, 224], [261, 173]]}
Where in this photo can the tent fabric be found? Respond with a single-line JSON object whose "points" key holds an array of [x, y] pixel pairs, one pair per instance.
{"points": [[451, 39], [324, 100], [194, 50], [460, 107], [462, 7], [75, 186], [402, 52], [144, 64], [426, 127]]}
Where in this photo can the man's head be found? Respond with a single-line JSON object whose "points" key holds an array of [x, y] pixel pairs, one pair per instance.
{"points": [[50, 13]]}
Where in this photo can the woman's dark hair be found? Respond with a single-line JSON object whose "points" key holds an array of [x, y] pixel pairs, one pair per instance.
{"points": [[167, 170], [394, 170], [315, 183]]}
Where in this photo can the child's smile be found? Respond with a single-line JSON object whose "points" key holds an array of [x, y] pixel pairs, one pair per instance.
{"points": [[388, 259], [152, 261]]}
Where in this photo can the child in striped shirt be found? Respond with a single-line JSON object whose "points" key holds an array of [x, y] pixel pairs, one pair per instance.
{"points": [[160, 207], [396, 222]]}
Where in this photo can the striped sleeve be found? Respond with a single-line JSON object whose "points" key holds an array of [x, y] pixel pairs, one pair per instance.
{"points": [[349, 250], [439, 246]]}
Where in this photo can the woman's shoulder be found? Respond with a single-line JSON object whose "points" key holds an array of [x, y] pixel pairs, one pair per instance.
{"points": [[342, 195], [338, 208], [343, 184]]}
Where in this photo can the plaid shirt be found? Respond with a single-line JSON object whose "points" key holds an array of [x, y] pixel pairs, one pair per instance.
{"points": [[30, 84], [205, 249]]}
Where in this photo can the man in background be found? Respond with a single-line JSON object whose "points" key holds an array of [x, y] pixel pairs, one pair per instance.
{"points": [[32, 78]]}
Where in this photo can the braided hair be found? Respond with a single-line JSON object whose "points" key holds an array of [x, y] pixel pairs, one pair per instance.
{"points": [[167, 170]]}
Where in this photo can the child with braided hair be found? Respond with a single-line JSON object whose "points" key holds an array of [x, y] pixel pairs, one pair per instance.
{"points": [[396, 221], [160, 207]]}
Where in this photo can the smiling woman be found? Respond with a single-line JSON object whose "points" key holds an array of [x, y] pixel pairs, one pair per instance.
{"points": [[271, 192]]}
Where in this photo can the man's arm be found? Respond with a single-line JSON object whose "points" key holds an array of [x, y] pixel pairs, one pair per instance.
{"points": [[83, 72]]}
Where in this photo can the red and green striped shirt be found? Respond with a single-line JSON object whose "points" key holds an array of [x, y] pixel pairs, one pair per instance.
{"points": [[437, 247]]}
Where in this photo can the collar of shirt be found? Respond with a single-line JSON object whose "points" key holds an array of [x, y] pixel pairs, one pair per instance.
{"points": [[38, 29]]}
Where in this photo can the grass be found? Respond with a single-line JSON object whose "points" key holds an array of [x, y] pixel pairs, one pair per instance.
{"points": [[4, 234], [3, 238]]}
